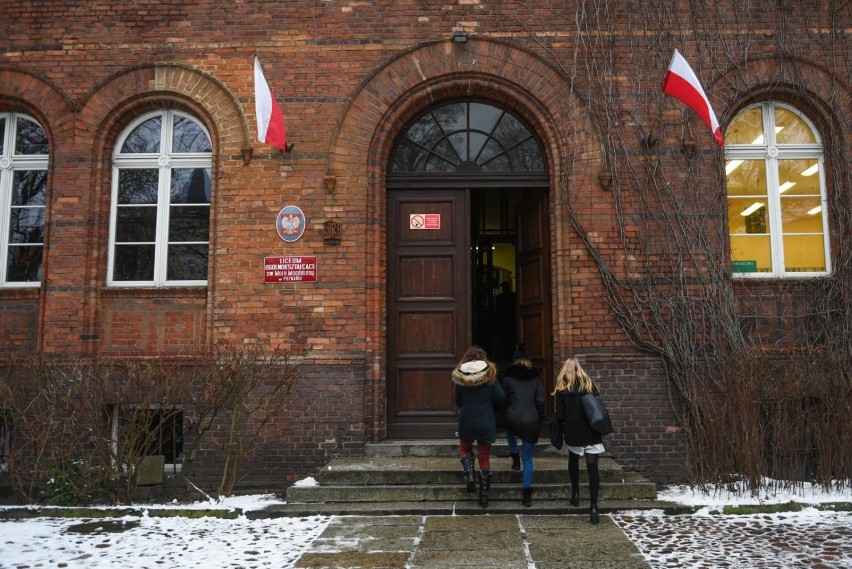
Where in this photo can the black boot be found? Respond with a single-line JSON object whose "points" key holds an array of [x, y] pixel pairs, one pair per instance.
{"points": [[484, 487], [516, 461], [469, 472], [574, 475], [527, 499], [594, 490]]}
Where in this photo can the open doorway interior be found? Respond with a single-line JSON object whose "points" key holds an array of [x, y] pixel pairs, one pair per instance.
{"points": [[493, 243]]}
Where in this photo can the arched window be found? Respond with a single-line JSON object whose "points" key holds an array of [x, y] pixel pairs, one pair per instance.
{"points": [[776, 195], [467, 138], [23, 193], [160, 222]]}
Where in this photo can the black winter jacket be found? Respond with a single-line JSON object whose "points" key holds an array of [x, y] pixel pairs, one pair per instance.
{"points": [[575, 428], [476, 399], [524, 402]]}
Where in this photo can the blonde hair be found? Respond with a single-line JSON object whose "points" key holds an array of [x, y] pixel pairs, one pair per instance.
{"points": [[573, 378]]}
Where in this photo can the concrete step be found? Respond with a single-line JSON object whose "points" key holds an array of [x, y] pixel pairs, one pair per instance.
{"points": [[548, 468], [635, 487], [437, 448], [468, 506]]}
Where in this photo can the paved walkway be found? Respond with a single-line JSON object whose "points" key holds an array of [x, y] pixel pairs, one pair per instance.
{"points": [[620, 541], [499, 542]]}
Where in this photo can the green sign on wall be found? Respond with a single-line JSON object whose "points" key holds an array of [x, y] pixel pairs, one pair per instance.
{"points": [[743, 266]]}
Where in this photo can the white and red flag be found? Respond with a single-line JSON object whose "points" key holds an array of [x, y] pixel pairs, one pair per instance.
{"points": [[270, 121], [681, 83]]}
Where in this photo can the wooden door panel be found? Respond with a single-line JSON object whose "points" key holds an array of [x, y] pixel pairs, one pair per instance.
{"points": [[533, 260], [428, 309]]}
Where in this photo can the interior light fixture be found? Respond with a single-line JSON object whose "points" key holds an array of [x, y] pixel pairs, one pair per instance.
{"points": [[751, 209], [815, 210], [812, 170], [785, 186]]}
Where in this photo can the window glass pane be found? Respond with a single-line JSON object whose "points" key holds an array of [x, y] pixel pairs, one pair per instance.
{"points": [[31, 138], [459, 143], [425, 131], [747, 128], [745, 215], [438, 164], [189, 137], [790, 129], [187, 223], [407, 157], [2, 135], [446, 151], [746, 178], [492, 149], [751, 254], [526, 157], [801, 215], [804, 253], [477, 140], [24, 264], [187, 262], [452, 117], [190, 185], [136, 224], [133, 263], [30, 187], [510, 131], [793, 182], [165, 435], [483, 117], [497, 164], [145, 138], [138, 186], [26, 225]]}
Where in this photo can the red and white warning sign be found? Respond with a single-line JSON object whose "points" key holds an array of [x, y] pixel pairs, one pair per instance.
{"points": [[424, 221]]}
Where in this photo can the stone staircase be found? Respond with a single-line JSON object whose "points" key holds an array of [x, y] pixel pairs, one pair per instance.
{"points": [[426, 478]]}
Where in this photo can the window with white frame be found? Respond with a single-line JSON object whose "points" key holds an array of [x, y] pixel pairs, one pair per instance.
{"points": [[777, 216], [160, 222], [23, 194]]}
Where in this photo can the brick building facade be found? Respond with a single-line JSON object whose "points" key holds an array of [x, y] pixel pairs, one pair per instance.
{"points": [[583, 78]]}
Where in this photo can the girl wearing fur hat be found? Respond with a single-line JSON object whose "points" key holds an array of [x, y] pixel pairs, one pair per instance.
{"points": [[477, 393]]}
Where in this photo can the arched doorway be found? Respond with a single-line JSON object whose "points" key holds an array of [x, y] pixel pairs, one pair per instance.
{"points": [[467, 219]]}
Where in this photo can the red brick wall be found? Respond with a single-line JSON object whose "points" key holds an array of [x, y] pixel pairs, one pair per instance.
{"points": [[348, 76]]}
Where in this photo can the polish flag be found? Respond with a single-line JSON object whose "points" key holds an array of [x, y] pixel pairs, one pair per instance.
{"points": [[270, 121], [681, 83]]}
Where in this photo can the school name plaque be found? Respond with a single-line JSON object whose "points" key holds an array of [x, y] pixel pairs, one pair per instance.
{"points": [[292, 269]]}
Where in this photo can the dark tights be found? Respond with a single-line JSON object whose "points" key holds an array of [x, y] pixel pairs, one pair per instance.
{"points": [[591, 467]]}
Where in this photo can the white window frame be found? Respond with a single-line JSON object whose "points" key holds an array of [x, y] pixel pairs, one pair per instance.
{"points": [[9, 164], [771, 153], [164, 162]]}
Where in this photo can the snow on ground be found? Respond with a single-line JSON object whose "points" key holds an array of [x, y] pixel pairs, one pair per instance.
{"points": [[788, 539]]}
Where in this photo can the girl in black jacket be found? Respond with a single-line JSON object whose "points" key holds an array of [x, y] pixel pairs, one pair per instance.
{"points": [[524, 412], [477, 393], [580, 438]]}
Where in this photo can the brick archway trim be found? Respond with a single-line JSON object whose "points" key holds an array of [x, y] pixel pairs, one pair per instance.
{"points": [[392, 96]]}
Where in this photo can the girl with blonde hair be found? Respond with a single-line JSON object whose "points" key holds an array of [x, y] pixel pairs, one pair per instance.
{"points": [[580, 438]]}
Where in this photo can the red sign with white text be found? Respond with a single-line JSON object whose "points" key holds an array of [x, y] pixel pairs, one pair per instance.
{"points": [[292, 269]]}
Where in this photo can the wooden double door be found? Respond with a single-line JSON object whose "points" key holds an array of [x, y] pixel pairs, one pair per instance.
{"points": [[430, 312]]}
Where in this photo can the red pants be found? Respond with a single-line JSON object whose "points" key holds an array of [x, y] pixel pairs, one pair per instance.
{"points": [[483, 453]]}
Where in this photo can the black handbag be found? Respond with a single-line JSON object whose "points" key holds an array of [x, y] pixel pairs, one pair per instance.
{"points": [[597, 414], [556, 435]]}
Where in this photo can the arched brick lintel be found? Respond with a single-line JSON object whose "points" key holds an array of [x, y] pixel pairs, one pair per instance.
{"points": [[22, 90], [198, 91]]}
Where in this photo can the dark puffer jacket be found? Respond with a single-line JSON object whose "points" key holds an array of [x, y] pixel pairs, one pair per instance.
{"points": [[524, 402], [576, 429], [476, 399]]}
